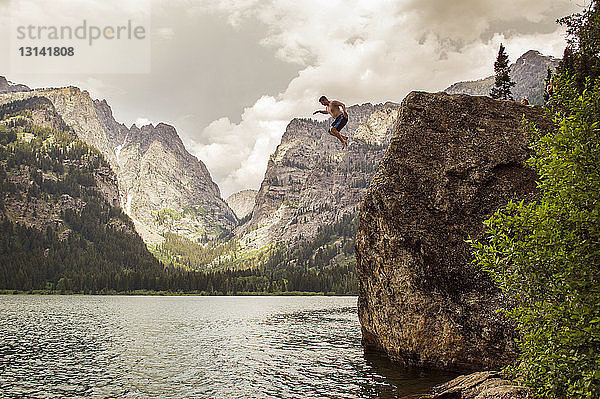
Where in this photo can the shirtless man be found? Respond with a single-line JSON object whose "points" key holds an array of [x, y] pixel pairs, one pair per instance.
{"points": [[337, 110]]}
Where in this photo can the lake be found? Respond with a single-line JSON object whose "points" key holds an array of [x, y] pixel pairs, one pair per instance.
{"points": [[192, 347]]}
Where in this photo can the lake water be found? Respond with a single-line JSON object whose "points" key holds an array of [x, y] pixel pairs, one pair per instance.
{"points": [[192, 347]]}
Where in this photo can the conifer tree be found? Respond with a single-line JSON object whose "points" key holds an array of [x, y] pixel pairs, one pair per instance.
{"points": [[503, 82]]}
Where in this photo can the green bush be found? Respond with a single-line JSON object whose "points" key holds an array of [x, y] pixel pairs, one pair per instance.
{"points": [[546, 255]]}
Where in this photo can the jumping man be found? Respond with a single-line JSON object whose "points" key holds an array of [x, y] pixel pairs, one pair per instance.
{"points": [[337, 110]]}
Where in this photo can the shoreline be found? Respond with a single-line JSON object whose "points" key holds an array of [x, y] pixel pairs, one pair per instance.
{"points": [[167, 293]]}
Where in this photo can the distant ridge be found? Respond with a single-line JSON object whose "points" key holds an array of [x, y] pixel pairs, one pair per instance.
{"points": [[528, 72], [10, 87], [162, 187]]}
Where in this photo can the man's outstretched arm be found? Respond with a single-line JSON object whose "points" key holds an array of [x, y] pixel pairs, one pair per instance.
{"points": [[321, 111]]}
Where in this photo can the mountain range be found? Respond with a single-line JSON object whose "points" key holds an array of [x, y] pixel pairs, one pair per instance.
{"points": [[309, 184], [61, 225], [162, 187], [310, 181]]}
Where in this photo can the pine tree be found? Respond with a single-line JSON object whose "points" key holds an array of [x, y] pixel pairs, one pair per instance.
{"points": [[503, 82]]}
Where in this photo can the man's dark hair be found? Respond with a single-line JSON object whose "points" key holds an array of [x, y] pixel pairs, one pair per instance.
{"points": [[322, 98]]}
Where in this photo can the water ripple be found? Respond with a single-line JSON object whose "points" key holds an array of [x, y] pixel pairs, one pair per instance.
{"points": [[192, 347]]}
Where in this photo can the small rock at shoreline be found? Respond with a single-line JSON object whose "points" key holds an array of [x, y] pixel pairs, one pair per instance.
{"points": [[480, 385]]}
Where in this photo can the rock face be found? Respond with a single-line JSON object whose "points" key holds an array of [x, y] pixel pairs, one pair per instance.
{"points": [[242, 202], [528, 73], [157, 173], [60, 220], [154, 170], [481, 385], [310, 181], [42, 211], [453, 161]]}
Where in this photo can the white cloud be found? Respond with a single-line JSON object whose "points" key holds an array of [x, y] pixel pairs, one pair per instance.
{"points": [[235, 153], [141, 122], [353, 50], [359, 51]]}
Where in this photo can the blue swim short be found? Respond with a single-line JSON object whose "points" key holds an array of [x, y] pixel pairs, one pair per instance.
{"points": [[339, 122]]}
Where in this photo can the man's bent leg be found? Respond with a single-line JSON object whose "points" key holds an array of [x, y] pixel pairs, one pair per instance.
{"points": [[343, 139], [334, 132]]}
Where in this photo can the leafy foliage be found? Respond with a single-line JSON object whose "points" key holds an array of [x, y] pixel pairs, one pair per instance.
{"points": [[546, 255], [548, 82], [581, 57]]}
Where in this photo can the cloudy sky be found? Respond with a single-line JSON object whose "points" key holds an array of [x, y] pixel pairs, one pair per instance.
{"points": [[230, 74]]}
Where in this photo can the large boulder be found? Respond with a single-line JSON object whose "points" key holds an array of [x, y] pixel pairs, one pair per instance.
{"points": [[452, 162]]}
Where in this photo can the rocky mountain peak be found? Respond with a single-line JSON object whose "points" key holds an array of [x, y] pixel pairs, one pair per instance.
{"points": [[531, 54], [10, 87], [155, 172], [311, 182], [242, 202], [166, 134], [534, 56]]}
